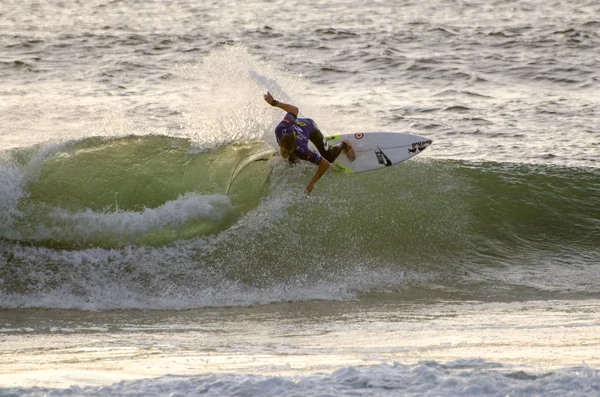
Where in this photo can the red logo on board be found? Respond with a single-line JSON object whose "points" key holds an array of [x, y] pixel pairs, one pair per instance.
{"points": [[359, 135]]}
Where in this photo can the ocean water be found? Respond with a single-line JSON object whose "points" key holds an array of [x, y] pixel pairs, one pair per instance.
{"points": [[145, 251]]}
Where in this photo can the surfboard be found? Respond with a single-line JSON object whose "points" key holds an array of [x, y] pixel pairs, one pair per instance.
{"points": [[375, 150]]}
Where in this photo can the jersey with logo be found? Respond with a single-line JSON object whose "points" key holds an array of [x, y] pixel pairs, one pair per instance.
{"points": [[301, 128]]}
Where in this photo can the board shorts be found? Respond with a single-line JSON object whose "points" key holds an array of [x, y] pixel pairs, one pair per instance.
{"points": [[320, 142]]}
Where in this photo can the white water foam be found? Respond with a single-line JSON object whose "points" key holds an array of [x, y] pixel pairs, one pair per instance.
{"points": [[13, 182], [169, 278], [11, 192], [472, 377], [61, 224]]}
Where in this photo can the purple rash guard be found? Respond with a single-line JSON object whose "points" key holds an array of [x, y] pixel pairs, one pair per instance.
{"points": [[301, 128]]}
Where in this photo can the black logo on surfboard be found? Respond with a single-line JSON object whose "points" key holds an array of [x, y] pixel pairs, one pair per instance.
{"points": [[418, 147], [382, 158]]}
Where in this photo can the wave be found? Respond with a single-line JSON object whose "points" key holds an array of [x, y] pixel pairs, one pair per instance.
{"points": [[148, 222]]}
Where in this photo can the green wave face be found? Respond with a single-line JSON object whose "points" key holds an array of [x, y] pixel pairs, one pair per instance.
{"points": [[142, 190], [155, 190]]}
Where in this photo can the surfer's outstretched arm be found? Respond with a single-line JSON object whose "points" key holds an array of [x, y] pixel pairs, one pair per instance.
{"points": [[285, 106], [323, 167]]}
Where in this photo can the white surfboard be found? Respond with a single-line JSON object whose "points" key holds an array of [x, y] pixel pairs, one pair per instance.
{"points": [[375, 150]]}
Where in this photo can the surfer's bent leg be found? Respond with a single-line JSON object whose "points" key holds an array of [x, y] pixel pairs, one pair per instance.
{"points": [[328, 153]]}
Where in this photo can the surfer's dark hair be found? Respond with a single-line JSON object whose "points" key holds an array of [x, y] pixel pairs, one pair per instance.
{"points": [[288, 142]]}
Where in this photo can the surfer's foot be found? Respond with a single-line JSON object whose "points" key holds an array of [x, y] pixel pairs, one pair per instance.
{"points": [[349, 150]]}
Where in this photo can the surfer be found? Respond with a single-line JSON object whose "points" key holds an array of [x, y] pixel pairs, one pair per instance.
{"points": [[293, 134]]}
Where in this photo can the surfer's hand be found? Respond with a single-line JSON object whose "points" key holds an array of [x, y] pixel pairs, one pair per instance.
{"points": [[309, 187], [269, 98]]}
